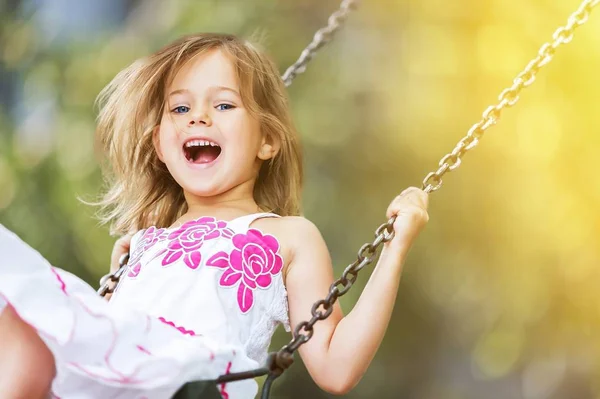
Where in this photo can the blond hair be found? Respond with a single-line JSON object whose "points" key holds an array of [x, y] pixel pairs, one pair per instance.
{"points": [[140, 191]]}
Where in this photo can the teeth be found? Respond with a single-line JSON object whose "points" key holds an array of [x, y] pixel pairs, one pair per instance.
{"points": [[200, 143]]}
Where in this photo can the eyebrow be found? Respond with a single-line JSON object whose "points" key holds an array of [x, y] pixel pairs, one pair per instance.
{"points": [[212, 88]]}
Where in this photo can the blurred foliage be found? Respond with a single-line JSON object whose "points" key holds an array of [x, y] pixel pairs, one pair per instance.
{"points": [[499, 298]]}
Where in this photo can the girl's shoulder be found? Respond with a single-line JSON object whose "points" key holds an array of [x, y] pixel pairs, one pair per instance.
{"points": [[292, 232], [287, 228]]}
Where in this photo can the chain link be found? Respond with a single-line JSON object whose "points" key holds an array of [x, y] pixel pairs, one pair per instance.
{"points": [[340, 287], [109, 282], [509, 96], [322, 37]]}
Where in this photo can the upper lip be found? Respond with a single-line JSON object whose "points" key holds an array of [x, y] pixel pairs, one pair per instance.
{"points": [[193, 138]]}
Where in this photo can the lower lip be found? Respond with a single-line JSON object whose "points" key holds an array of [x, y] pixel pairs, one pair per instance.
{"points": [[203, 165]]}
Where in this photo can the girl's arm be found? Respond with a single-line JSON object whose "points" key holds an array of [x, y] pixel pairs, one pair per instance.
{"points": [[342, 348]]}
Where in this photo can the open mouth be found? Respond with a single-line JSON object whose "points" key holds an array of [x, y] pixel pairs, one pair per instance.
{"points": [[201, 151]]}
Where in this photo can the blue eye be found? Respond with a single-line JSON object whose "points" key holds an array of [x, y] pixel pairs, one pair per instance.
{"points": [[226, 105], [182, 109]]}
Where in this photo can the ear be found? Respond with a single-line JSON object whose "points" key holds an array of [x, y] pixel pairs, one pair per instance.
{"points": [[269, 148], [156, 142]]}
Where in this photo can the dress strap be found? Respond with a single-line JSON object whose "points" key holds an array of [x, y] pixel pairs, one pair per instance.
{"points": [[136, 238], [244, 222]]}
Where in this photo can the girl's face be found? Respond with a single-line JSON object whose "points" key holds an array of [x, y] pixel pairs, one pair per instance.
{"points": [[207, 138]]}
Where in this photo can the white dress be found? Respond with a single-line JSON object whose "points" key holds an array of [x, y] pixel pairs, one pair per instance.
{"points": [[197, 301]]}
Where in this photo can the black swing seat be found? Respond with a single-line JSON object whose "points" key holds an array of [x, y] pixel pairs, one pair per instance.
{"points": [[199, 390], [277, 363]]}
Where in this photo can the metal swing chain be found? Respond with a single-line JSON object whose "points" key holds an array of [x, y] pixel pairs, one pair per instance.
{"points": [[322, 36], [109, 281], [433, 181], [509, 96]]}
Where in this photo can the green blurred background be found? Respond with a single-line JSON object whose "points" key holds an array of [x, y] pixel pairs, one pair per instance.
{"points": [[500, 295]]}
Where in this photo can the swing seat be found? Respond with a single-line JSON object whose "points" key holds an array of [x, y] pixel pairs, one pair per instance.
{"points": [[199, 390]]}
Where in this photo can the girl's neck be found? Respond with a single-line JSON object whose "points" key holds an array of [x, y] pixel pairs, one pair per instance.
{"points": [[233, 203], [220, 208], [225, 211]]}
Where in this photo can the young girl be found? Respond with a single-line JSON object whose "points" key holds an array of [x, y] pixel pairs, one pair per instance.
{"points": [[206, 167]]}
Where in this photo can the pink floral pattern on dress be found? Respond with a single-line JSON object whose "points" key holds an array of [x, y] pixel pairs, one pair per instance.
{"points": [[251, 264], [187, 240], [150, 237]]}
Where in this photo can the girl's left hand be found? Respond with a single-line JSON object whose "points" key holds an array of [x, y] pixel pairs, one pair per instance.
{"points": [[410, 208], [120, 248]]}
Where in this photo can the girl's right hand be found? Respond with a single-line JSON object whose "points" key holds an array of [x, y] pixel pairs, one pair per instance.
{"points": [[121, 247]]}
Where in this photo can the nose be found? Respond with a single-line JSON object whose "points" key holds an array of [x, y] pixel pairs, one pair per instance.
{"points": [[203, 119]]}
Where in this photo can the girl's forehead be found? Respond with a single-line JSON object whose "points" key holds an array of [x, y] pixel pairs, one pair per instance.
{"points": [[213, 68]]}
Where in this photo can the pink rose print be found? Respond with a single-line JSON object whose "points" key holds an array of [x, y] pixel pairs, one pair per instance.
{"points": [[187, 240], [150, 237], [252, 263]]}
